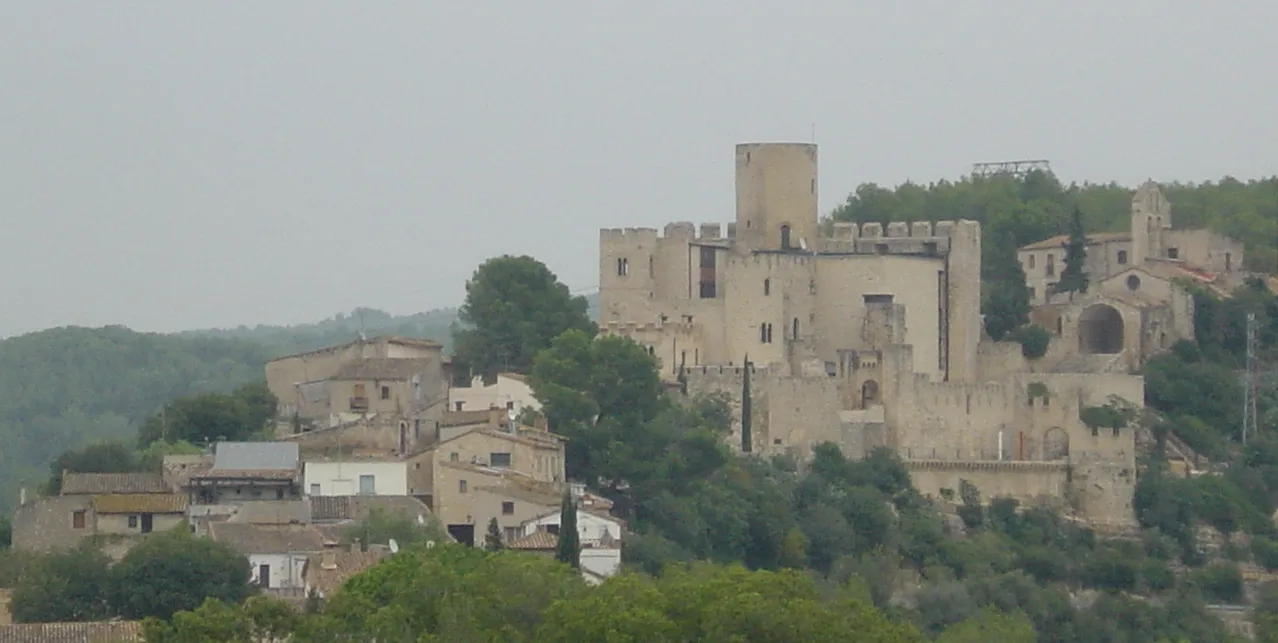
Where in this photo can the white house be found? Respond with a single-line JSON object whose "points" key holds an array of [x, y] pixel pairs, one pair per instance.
{"points": [[510, 392], [277, 555], [356, 478], [600, 538]]}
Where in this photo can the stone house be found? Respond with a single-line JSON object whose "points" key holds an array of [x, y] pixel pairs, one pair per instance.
{"points": [[1150, 239], [296, 380], [277, 555], [118, 508], [467, 496]]}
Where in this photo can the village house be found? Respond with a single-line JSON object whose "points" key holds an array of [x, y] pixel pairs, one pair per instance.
{"points": [[600, 536], [325, 572], [598, 562], [356, 476], [509, 391], [244, 471], [277, 555], [117, 508]]}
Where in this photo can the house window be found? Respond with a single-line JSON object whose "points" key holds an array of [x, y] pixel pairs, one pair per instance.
{"points": [[133, 522], [1122, 257], [510, 405], [77, 519], [385, 392], [461, 486], [1031, 262], [511, 534], [457, 406], [367, 485], [452, 457], [507, 508], [315, 490], [1173, 253], [1051, 265], [552, 529], [501, 460], [767, 287], [623, 267]]}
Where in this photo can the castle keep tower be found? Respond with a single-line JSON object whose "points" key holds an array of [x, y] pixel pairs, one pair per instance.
{"points": [[776, 196]]}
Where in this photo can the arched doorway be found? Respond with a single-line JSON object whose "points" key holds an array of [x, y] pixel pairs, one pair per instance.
{"points": [[869, 393], [1100, 330], [1055, 444]]}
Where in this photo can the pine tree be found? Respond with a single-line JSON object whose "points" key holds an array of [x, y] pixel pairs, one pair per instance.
{"points": [[747, 440], [492, 540], [1073, 277], [569, 549]]}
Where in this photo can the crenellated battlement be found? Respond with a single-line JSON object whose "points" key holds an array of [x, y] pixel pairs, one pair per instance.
{"points": [[898, 237], [682, 230]]}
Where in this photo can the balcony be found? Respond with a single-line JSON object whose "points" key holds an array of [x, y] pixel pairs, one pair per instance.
{"points": [[359, 403]]}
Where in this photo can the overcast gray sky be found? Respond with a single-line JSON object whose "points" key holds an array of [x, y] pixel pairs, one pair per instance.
{"points": [[172, 165]]}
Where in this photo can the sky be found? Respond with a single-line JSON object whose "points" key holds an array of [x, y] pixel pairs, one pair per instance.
{"points": [[179, 165]]}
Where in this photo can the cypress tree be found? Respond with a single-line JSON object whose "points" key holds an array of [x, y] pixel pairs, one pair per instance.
{"points": [[492, 541], [569, 549], [1073, 277], [747, 440]]}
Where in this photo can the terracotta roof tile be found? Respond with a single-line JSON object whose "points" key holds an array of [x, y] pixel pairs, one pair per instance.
{"points": [[255, 539], [91, 632], [536, 541], [357, 507], [1059, 240], [139, 503], [246, 474], [327, 571], [94, 483]]}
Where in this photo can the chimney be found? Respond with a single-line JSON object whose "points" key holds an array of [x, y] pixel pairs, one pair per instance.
{"points": [[328, 560]]}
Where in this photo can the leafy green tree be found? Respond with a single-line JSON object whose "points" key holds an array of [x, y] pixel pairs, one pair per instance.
{"points": [[794, 550], [1074, 275], [64, 586], [568, 549], [210, 417], [105, 457], [173, 571], [259, 619], [492, 540], [988, 626], [515, 307], [152, 457], [379, 527]]}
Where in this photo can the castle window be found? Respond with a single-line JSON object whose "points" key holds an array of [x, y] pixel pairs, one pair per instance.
{"points": [[767, 287], [385, 392], [1173, 253], [623, 267], [708, 277], [770, 333], [881, 248], [1031, 262], [812, 287], [869, 393], [794, 332], [651, 269], [877, 299], [1122, 256], [1051, 265], [765, 333], [785, 237]]}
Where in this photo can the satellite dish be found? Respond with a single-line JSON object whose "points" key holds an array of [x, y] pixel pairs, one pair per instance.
{"points": [[430, 544], [803, 243], [394, 546]]}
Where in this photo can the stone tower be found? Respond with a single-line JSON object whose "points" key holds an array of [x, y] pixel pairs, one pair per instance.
{"points": [[1151, 214], [776, 196]]}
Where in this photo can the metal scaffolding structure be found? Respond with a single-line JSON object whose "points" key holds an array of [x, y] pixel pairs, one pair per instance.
{"points": [[1016, 169]]}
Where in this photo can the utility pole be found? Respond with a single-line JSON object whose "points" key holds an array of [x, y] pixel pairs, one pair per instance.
{"points": [[1250, 424]]}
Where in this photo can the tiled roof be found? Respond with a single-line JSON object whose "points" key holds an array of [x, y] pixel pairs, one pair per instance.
{"points": [[255, 539], [328, 570], [241, 456], [139, 503], [246, 474], [272, 512], [537, 540], [464, 418], [401, 341], [92, 483], [518, 377], [92, 632], [357, 507], [1060, 239], [384, 368]]}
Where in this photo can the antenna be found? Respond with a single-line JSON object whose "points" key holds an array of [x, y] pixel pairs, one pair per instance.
{"points": [[1250, 426]]}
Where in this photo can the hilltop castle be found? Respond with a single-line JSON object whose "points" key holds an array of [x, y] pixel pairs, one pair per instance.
{"points": [[870, 336]]}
